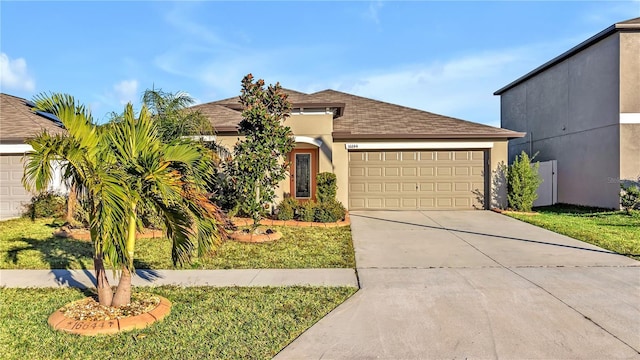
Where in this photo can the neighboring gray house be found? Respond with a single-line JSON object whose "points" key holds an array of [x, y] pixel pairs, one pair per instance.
{"points": [[583, 110], [17, 123]]}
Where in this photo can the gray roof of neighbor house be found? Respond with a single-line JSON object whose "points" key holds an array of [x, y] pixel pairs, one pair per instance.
{"points": [[18, 122], [358, 117], [627, 25]]}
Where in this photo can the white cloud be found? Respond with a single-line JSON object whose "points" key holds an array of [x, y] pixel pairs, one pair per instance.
{"points": [[126, 91], [14, 74], [373, 11]]}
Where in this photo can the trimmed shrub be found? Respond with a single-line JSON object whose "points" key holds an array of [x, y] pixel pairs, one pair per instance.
{"points": [[329, 211], [326, 186], [286, 209], [307, 211], [523, 181], [630, 197], [46, 204]]}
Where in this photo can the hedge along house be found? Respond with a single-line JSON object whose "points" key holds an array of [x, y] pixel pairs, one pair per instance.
{"points": [[384, 156], [18, 123], [582, 109]]}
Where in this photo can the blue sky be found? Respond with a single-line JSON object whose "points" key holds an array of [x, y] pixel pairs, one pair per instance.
{"points": [[443, 57]]}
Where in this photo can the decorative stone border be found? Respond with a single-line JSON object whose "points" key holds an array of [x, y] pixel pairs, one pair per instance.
{"points": [[59, 322], [255, 238], [293, 223]]}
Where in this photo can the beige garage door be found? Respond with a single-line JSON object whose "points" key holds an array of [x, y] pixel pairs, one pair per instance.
{"points": [[12, 194], [409, 180]]}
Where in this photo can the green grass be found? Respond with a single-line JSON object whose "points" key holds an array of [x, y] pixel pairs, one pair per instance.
{"points": [[612, 230], [229, 323], [30, 245]]}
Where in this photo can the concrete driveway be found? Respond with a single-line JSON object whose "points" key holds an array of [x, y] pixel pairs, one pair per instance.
{"points": [[476, 284]]}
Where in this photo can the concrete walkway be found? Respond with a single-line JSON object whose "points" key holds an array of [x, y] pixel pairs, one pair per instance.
{"points": [[456, 285], [248, 277]]}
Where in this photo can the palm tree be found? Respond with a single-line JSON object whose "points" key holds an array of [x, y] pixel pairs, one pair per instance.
{"points": [[119, 168], [175, 120]]}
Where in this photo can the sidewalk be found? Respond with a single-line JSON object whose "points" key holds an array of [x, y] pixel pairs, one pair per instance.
{"points": [[243, 277]]}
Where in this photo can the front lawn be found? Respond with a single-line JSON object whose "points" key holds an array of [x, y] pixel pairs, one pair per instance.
{"points": [[229, 323], [29, 245], [612, 230]]}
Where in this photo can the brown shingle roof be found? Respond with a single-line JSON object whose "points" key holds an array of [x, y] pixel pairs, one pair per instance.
{"points": [[364, 118], [18, 122]]}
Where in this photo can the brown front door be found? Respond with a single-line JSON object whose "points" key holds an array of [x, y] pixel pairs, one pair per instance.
{"points": [[304, 168]]}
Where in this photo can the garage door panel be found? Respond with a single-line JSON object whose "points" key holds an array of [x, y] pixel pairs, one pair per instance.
{"points": [[409, 156], [426, 156], [409, 203], [375, 203], [391, 171], [426, 187], [357, 171], [391, 203], [392, 187], [409, 187], [477, 170], [462, 202], [462, 171], [443, 171], [461, 155], [409, 171], [357, 203], [12, 194], [406, 180], [427, 171], [357, 158], [444, 202], [374, 171], [374, 187], [357, 187]]}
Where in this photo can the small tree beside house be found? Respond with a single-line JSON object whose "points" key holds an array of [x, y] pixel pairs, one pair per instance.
{"points": [[522, 183], [258, 163]]}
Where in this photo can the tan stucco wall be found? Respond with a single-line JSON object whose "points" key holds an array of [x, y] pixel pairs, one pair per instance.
{"points": [[630, 72], [630, 152], [571, 113]]}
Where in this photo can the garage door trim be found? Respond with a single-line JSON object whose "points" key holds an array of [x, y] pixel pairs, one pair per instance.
{"points": [[420, 146]]}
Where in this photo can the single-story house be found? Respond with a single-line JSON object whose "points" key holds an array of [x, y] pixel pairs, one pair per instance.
{"points": [[384, 156], [582, 109], [18, 123]]}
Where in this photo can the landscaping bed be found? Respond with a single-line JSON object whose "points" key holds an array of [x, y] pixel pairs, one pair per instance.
{"points": [[30, 245], [230, 323], [612, 230]]}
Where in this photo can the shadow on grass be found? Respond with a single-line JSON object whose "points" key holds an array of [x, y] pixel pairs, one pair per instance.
{"points": [[69, 259]]}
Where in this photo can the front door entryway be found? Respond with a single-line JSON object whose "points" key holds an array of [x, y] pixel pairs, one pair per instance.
{"points": [[303, 171]]}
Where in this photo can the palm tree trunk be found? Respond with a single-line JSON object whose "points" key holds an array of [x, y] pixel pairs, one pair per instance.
{"points": [[71, 204], [123, 292], [105, 295]]}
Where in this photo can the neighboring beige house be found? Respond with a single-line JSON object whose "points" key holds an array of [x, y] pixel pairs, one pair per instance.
{"points": [[17, 123], [583, 110], [385, 156]]}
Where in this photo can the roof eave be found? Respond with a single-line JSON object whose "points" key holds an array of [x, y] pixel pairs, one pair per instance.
{"points": [[574, 50]]}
